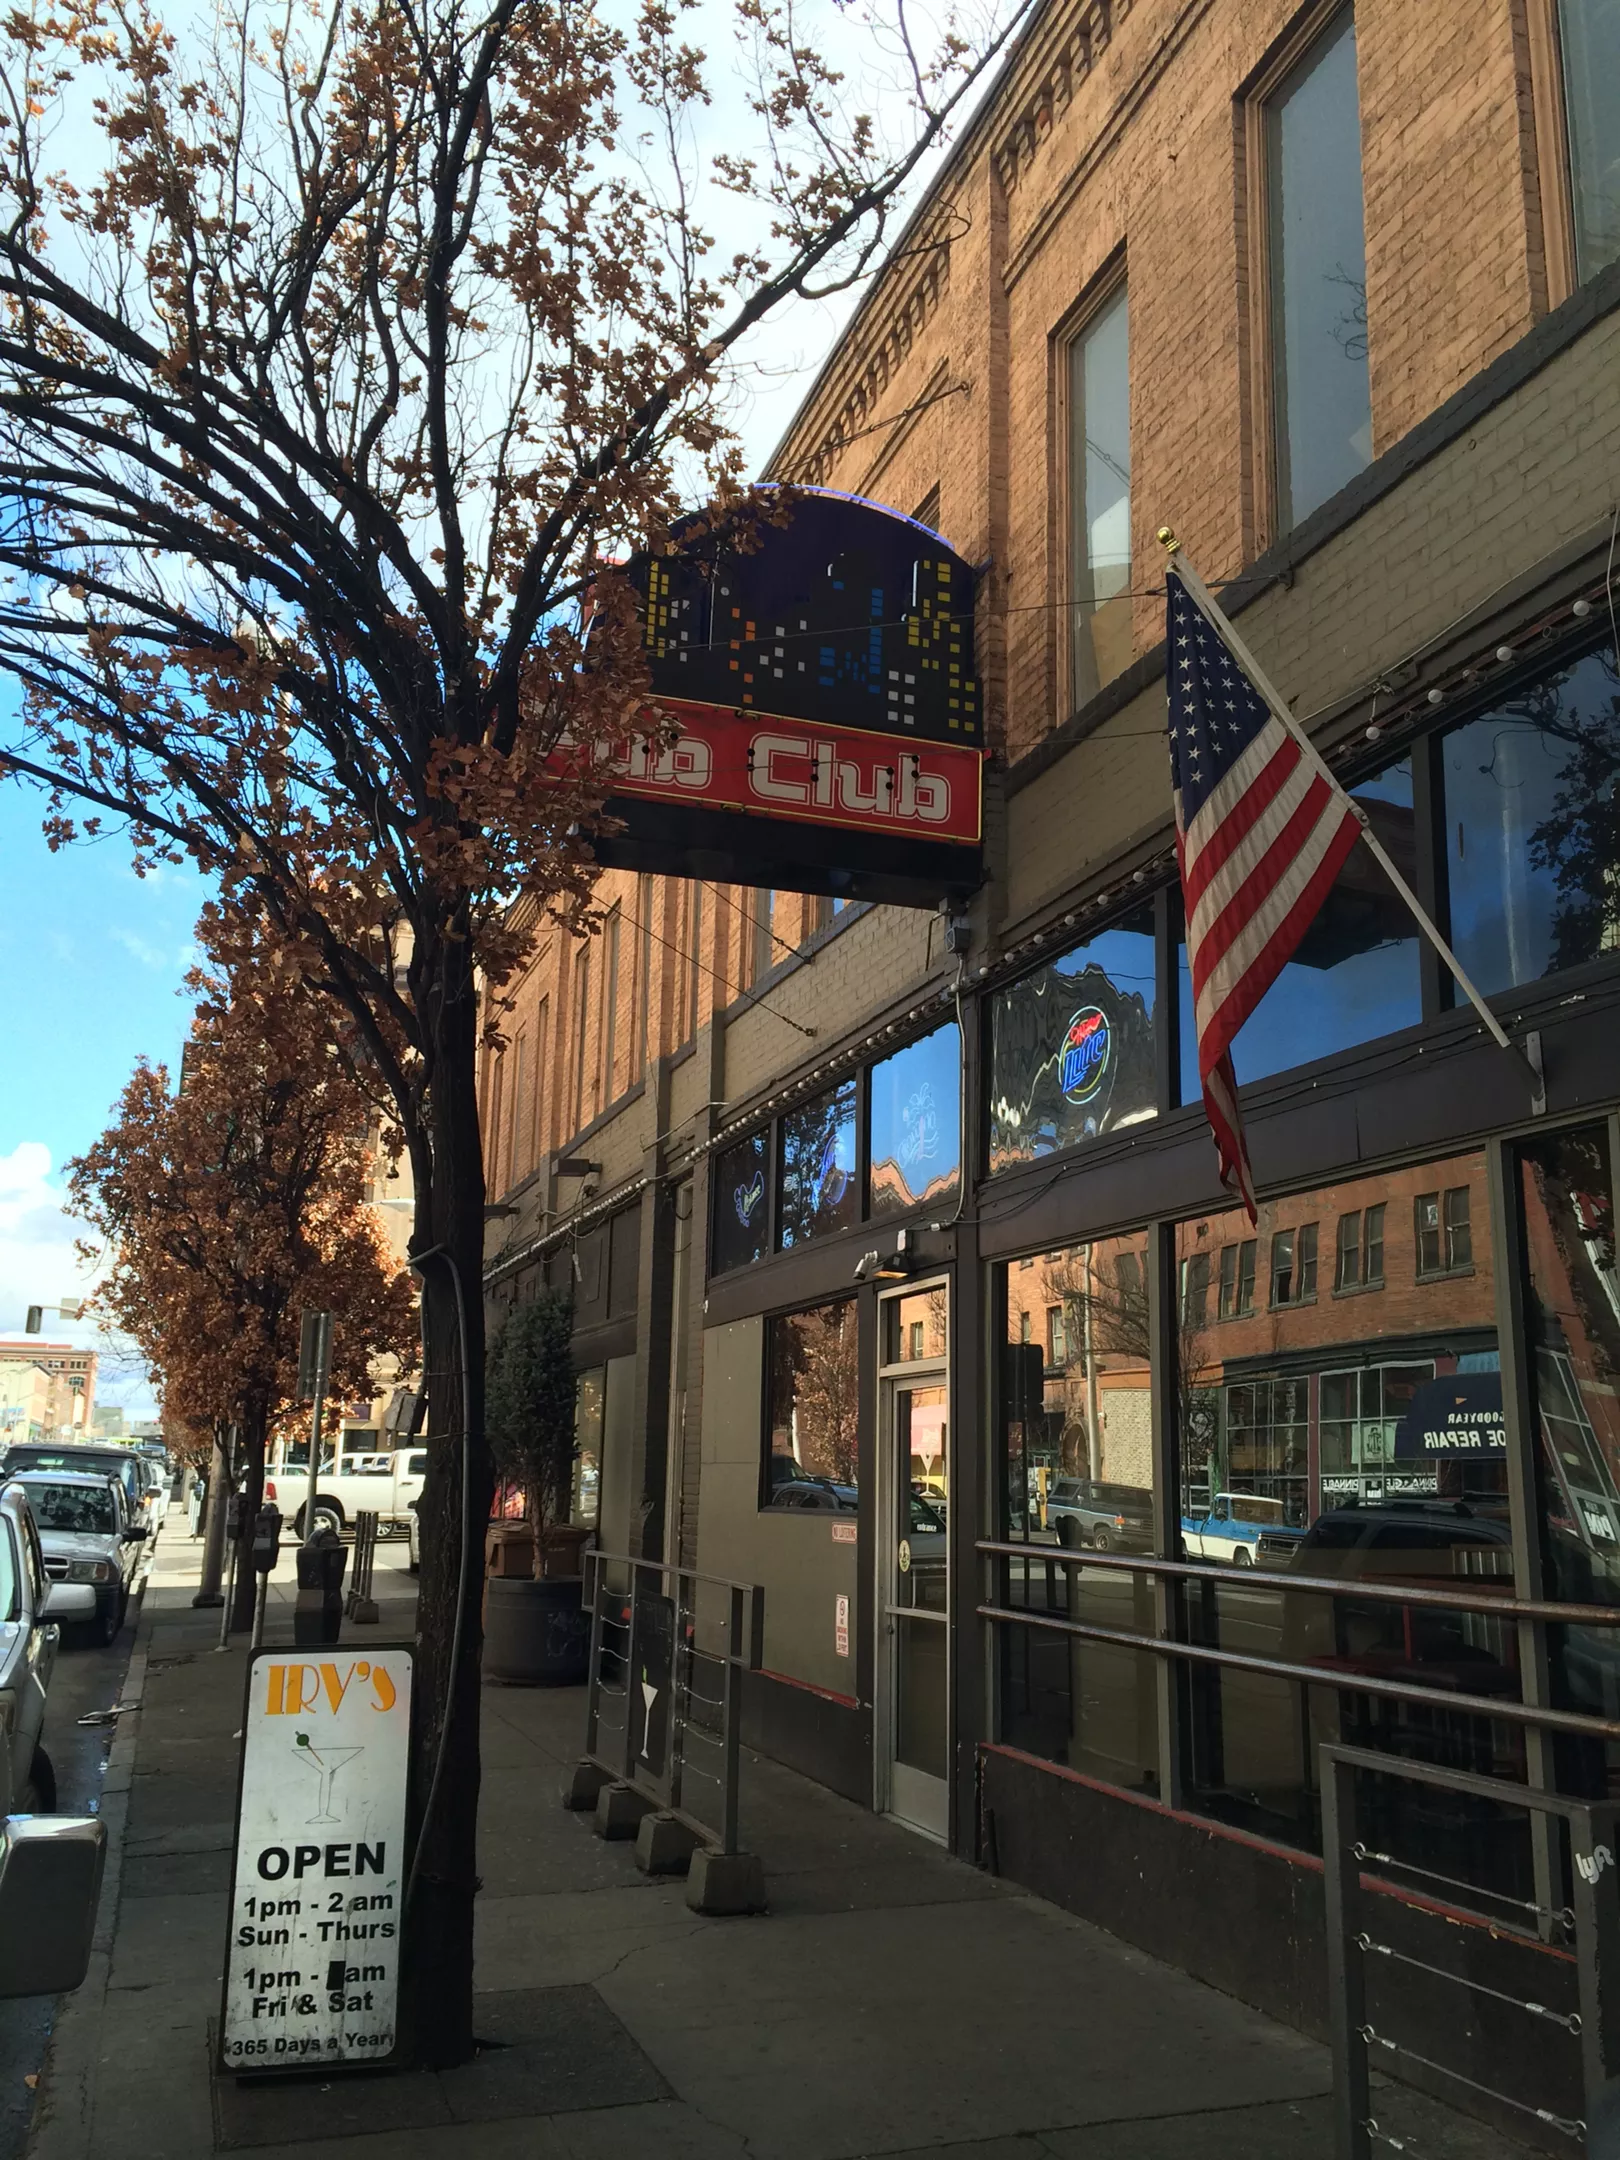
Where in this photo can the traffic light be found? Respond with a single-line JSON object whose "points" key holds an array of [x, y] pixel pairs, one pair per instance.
{"points": [[36, 1319]]}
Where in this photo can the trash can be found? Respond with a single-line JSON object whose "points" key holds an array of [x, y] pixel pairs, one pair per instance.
{"points": [[318, 1609]]}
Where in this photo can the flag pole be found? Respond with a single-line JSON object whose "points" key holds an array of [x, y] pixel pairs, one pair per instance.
{"points": [[1274, 700]]}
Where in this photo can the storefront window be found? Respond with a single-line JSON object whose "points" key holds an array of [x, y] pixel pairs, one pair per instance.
{"points": [[1354, 975], [586, 1498], [917, 1124], [741, 1203], [819, 1188], [812, 1423], [1532, 825], [1072, 1046], [1574, 1314], [1349, 1436], [1075, 1426]]}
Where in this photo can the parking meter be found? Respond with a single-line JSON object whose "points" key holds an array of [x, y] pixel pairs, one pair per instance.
{"points": [[266, 1538], [233, 1516]]}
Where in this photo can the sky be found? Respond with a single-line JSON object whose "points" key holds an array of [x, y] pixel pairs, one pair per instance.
{"points": [[92, 958]]}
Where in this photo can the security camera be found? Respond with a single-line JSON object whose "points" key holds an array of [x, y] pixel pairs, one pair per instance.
{"points": [[867, 1266]]}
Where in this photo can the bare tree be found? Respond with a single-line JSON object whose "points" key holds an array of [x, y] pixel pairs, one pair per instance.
{"points": [[356, 343]]}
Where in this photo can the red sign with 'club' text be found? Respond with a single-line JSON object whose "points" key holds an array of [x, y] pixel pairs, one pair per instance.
{"points": [[725, 758]]}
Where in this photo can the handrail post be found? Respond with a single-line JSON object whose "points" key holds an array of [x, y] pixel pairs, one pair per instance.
{"points": [[731, 1698], [680, 1687], [1346, 1976], [593, 1676], [632, 1681]]}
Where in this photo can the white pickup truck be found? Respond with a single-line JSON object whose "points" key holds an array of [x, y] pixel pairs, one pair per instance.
{"points": [[382, 1485]]}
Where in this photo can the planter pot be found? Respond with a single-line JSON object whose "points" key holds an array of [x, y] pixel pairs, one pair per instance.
{"points": [[535, 1633]]}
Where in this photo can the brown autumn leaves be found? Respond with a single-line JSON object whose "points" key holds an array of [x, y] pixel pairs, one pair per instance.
{"points": [[228, 1205]]}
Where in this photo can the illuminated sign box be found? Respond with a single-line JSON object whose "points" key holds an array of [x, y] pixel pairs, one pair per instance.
{"points": [[828, 725]]}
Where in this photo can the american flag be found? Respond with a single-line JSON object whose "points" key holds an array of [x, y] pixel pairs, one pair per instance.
{"points": [[1261, 833]]}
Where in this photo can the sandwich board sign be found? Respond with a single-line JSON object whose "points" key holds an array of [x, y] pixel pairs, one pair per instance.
{"points": [[318, 1878]]}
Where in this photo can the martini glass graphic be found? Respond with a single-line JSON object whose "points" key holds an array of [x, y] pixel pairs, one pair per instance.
{"points": [[325, 1763]]}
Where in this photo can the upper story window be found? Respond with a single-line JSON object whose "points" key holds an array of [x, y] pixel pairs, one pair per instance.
{"points": [[1316, 266], [1444, 1231], [1359, 1261], [1589, 37], [1293, 1265], [1099, 501], [1237, 1279]]}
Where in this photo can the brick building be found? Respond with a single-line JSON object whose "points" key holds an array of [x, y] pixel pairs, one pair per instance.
{"points": [[1335, 292], [62, 1399]]}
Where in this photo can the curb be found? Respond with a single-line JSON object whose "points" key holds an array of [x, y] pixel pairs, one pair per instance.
{"points": [[64, 2106]]}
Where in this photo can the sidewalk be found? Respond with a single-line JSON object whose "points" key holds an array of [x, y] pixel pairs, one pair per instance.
{"points": [[893, 2001]]}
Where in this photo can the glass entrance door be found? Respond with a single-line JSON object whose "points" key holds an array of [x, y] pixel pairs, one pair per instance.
{"points": [[914, 1566]]}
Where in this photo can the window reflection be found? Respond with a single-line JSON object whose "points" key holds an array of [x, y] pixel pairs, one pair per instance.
{"points": [[1072, 1046], [812, 1425], [1354, 975], [1532, 825], [916, 1149], [1351, 1428], [819, 1190], [1077, 1477], [1574, 1313]]}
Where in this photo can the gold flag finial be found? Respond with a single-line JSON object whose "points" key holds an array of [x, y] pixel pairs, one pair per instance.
{"points": [[1167, 539]]}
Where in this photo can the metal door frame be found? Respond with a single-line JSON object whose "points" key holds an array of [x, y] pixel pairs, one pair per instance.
{"points": [[893, 1376]]}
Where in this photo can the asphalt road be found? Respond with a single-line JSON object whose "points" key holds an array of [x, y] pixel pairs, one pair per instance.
{"points": [[86, 1678]]}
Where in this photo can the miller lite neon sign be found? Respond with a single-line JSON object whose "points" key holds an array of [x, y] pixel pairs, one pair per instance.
{"points": [[1083, 1059]]}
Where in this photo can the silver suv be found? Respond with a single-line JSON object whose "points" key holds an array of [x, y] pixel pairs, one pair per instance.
{"points": [[27, 1655], [90, 1544]]}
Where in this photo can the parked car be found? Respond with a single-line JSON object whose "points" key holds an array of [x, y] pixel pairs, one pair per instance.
{"points": [[89, 1542], [815, 1493], [384, 1485], [413, 1559], [100, 1460], [28, 1640], [1234, 1527], [1108, 1518]]}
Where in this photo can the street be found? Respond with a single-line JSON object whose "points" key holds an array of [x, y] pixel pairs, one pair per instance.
{"points": [[87, 1678]]}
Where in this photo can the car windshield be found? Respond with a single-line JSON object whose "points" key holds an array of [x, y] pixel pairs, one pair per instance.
{"points": [[71, 1507]]}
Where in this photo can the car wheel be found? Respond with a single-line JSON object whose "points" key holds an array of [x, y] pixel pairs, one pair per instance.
{"points": [[1242, 1556], [109, 1619], [38, 1795], [1102, 1539]]}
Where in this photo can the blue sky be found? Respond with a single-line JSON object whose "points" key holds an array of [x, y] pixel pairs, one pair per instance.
{"points": [[91, 959]]}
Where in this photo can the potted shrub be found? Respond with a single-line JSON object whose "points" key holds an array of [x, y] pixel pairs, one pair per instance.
{"points": [[534, 1628]]}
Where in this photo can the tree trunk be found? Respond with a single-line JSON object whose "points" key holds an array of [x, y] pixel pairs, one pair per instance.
{"points": [[447, 1250], [251, 1438], [210, 1590]]}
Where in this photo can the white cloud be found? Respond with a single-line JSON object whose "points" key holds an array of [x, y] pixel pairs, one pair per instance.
{"points": [[39, 1265]]}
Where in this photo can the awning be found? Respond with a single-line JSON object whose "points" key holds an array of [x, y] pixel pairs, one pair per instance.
{"points": [[1458, 1415]]}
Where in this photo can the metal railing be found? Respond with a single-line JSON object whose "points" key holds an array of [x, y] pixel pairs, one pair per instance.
{"points": [[1593, 1913], [1302, 1671], [658, 1641]]}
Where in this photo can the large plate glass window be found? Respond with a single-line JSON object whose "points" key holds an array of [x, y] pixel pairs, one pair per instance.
{"points": [[820, 1191], [1076, 1472], [812, 1415], [585, 1497], [1348, 1425], [1532, 827], [1072, 1045], [741, 1203], [1573, 1306], [1354, 975], [916, 1150]]}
